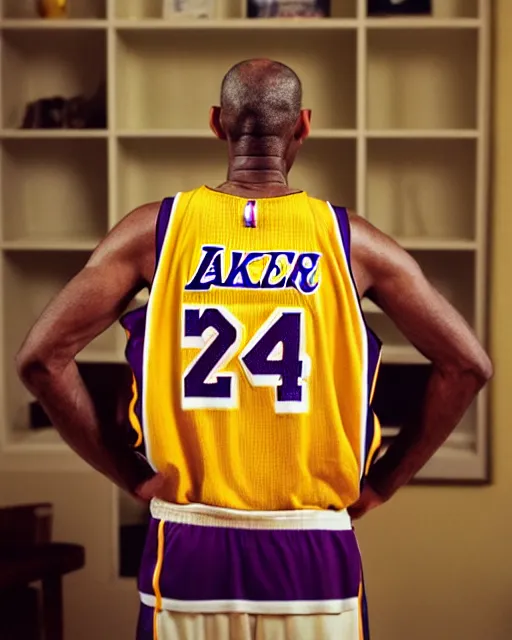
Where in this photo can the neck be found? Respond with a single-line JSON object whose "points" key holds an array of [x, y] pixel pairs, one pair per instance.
{"points": [[256, 174], [258, 170]]}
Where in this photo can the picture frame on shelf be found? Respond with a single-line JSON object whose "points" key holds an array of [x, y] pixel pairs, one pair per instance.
{"points": [[172, 9], [288, 8], [399, 7]]}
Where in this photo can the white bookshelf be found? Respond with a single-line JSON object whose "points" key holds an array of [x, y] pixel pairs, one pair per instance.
{"points": [[400, 133]]}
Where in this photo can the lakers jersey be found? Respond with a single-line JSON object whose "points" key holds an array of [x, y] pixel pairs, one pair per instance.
{"points": [[253, 369]]}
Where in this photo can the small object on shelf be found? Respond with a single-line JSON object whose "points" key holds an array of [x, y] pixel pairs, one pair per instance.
{"points": [[288, 8], [52, 8], [399, 7], [77, 112], [187, 9]]}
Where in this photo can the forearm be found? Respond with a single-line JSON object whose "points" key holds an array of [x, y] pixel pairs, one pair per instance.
{"points": [[69, 406], [447, 398]]}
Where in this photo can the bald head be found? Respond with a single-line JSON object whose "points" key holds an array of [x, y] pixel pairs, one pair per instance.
{"points": [[260, 98]]}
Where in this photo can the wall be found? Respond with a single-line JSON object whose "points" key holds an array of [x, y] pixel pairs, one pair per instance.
{"points": [[438, 560]]}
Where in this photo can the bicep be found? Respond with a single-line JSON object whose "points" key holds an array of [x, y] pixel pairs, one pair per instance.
{"points": [[93, 300], [395, 281]]}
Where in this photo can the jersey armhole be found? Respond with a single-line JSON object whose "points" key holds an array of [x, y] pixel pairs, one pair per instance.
{"points": [[163, 219], [343, 224]]}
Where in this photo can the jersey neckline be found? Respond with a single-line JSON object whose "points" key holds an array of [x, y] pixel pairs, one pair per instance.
{"points": [[247, 198]]}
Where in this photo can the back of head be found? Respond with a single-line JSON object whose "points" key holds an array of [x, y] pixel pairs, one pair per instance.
{"points": [[260, 99]]}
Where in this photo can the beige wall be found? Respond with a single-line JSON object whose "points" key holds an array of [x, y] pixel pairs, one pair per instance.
{"points": [[438, 560]]}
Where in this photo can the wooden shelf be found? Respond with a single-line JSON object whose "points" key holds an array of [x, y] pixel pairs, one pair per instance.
{"points": [[238, 24], [422, 134], [370, 307], [50, 245], [400, 133], [52, 134], [206, 134], [402, 354], [37, 24], [422, 23]]}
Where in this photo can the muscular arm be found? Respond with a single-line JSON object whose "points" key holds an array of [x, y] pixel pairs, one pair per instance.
{"points": [[390, 277], [91, 302]]}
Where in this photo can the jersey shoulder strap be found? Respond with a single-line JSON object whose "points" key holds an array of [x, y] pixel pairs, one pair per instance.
{"points": [[342, 220], [162, 224]]}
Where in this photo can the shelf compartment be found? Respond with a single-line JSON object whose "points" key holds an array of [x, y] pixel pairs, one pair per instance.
{"points": [[77, 9], [453, 275], [107, 348], [432, 197], [385, 329], [422, 79], [454, 9], [152, 169], [399, 397], [40, 25], [152, 9], [399, 393], [326, 169], [30, 280], [53, 62], [170, 83], [54, 191]]}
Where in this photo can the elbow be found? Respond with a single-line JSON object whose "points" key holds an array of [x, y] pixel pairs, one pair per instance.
{"points": [[484, 369], [477, 372], [31, 366]]}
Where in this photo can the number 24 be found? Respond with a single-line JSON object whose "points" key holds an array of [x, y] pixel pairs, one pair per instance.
{"points": [[274, 357]]}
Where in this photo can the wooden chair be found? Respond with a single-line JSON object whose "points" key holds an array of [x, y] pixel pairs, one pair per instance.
{"points": [[28, 555]]}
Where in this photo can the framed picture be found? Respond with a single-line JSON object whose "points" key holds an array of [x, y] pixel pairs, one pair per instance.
{"points": [[399, 7], [187, 9], [288, 8]]}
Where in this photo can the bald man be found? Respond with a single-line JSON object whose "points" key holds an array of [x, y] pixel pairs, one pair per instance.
{"points": [[253, 374]]}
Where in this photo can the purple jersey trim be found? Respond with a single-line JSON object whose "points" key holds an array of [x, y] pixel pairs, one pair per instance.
{"points": [[217, 563], [134, 322], [164, 216], [373, 341]]}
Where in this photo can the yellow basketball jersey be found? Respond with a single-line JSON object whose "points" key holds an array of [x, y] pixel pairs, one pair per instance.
{"points": [[253, 367]]}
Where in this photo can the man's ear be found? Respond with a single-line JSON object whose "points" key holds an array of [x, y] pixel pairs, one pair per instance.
{"points": [[303, 128], [215, 123]]}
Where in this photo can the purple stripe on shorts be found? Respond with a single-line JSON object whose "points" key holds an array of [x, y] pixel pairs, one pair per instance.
{"points": [[214, 563], [149, 558]]}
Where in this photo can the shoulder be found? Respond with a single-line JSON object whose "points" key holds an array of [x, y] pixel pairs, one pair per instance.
{"points": [[132, 240], [375, 255], [143, 218]]}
